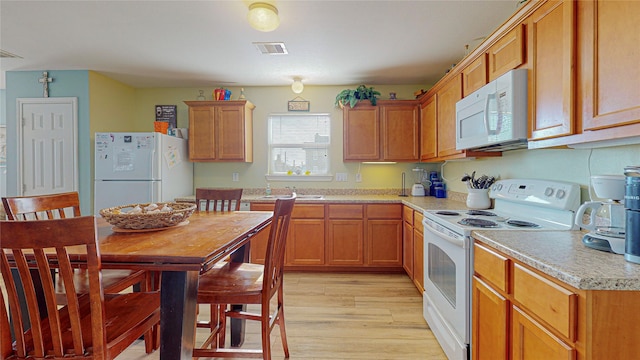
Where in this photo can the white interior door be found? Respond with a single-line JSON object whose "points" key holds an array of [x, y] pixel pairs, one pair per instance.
{"points": [[47, 146]]}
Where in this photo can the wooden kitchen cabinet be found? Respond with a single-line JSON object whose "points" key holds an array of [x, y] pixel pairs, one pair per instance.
{"points": [[221, 131], [551, 80], [384, 235], [520, 313], [474, 76], [407, 240], [345, 235], [608, 72], [305, 241], [507, 53], [448, 96], [418, 251], [259, 241], [385, 132], [429, 128]]}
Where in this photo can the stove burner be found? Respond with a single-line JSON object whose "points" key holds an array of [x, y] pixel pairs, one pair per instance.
{"points": [[448, 213], [480, 212], [520, 223], [481, 223]]}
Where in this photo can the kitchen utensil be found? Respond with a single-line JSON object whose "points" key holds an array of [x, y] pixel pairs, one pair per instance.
{"points": [[418, 177], [606, 218]]}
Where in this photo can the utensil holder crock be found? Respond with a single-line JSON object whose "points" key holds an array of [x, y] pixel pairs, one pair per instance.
{"points": [[478, 199]]}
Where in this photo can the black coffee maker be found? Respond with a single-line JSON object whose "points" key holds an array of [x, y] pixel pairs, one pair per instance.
{"points": [[632, 209]]}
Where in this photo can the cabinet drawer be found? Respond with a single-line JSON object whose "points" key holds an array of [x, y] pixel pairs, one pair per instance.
{"points": [[417, 221], [346, 211], [384, 211], [407, 215], [304, 211], [262, 207], [491, 266], [550, 302]]}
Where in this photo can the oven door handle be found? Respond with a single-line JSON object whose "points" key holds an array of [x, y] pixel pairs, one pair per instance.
{"points": [[454, 241]]}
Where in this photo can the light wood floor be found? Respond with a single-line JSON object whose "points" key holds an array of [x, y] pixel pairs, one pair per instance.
{"points": [[342, 317]]}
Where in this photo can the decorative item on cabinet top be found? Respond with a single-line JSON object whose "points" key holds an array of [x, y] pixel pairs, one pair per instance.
{"points": [[351, 97]]}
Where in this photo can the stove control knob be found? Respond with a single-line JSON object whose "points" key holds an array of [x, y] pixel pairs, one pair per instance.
{"points": [[548, 191], [560, 194]]}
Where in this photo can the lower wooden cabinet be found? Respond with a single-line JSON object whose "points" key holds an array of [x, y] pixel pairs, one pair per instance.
{"points": [[338, 236], [413, 246], [490, 316], [521, 313]]}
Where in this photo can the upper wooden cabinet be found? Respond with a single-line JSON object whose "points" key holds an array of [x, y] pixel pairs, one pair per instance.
{"points": [[608, 72], [448, 96], [221, 130], [474, 76], [507, 53], [429, 128], [551, 79], [385, 132]]}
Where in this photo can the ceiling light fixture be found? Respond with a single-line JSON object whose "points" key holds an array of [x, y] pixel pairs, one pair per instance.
{"points": [[263, 16], [297, 86]]}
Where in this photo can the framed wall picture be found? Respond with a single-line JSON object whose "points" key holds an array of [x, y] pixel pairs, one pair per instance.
{"points": [[298, 104], [167, 113]]}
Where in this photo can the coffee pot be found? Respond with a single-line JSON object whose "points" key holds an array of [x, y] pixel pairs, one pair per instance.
{"points": [[606, 221]]}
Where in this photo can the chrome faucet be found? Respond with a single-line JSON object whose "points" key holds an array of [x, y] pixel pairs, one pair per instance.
{"points": [[293, 190]]}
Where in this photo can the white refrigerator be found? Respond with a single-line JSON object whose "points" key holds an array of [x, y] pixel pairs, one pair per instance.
{"points": [[140, 168]]}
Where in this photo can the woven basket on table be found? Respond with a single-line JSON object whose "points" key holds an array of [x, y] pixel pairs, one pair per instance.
{"points": [[124, 220]]}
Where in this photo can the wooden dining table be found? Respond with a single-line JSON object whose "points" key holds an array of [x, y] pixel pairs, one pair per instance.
{"points": [[180, 253]]}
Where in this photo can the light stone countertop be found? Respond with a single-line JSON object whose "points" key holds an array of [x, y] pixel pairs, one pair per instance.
{"points": [[562, 255]]}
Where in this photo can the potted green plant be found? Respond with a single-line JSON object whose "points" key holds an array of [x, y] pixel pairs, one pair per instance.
{"points": [[351, 97]]}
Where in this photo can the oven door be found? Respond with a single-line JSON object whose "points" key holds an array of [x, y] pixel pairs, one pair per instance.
{"points": [[447, 285]]}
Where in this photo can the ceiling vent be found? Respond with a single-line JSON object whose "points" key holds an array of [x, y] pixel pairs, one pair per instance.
{"points": [[6, 54], [271, 48]]}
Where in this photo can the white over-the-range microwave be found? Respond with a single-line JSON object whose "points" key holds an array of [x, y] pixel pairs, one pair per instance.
{"points": [[494, 117]]}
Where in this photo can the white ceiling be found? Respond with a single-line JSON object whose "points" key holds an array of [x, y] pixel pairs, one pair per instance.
{"points": [[189, 43]]}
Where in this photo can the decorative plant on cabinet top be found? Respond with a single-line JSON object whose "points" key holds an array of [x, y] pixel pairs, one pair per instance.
{"points": [[351, 97]]}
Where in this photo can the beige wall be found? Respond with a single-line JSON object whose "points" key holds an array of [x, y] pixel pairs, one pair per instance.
{"points": [[558, 164]]}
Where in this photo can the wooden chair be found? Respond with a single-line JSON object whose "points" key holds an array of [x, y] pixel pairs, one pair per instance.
{"points": [[91, 326], [64, 205], [218, 199], [215, 199], [245, 283]]}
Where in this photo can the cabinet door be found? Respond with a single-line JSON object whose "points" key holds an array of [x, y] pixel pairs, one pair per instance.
{"points": [[231, 131], [202, 133], [305, 242], [608, 38], [530, 340], [474, 76], [418, 252], [361, 133], [428, 129], [345, 245], [507, 53], [407, 249], [400, 132], [450, 93], [259, 241], [490, 326], [384, 242], [551, 77]]}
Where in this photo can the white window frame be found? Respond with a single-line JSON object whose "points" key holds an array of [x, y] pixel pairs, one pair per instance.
{"points": [[282, 176]]}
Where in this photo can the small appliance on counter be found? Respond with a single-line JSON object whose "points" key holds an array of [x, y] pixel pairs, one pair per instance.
{"points": [[632, 222], [418, 177], [607, 218]]}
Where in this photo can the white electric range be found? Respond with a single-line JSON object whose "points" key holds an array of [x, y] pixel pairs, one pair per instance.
{"points": [[519, 204]]}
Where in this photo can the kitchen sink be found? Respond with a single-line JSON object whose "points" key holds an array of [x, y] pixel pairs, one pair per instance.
{"points": [[299, 196]]}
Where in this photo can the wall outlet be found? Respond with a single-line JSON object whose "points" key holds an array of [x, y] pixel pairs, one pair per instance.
{"points": [[236, 177], [358, 177], [341, 176]]}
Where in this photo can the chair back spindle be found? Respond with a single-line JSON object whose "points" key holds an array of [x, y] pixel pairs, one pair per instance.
{"points": [[218, 199]]}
